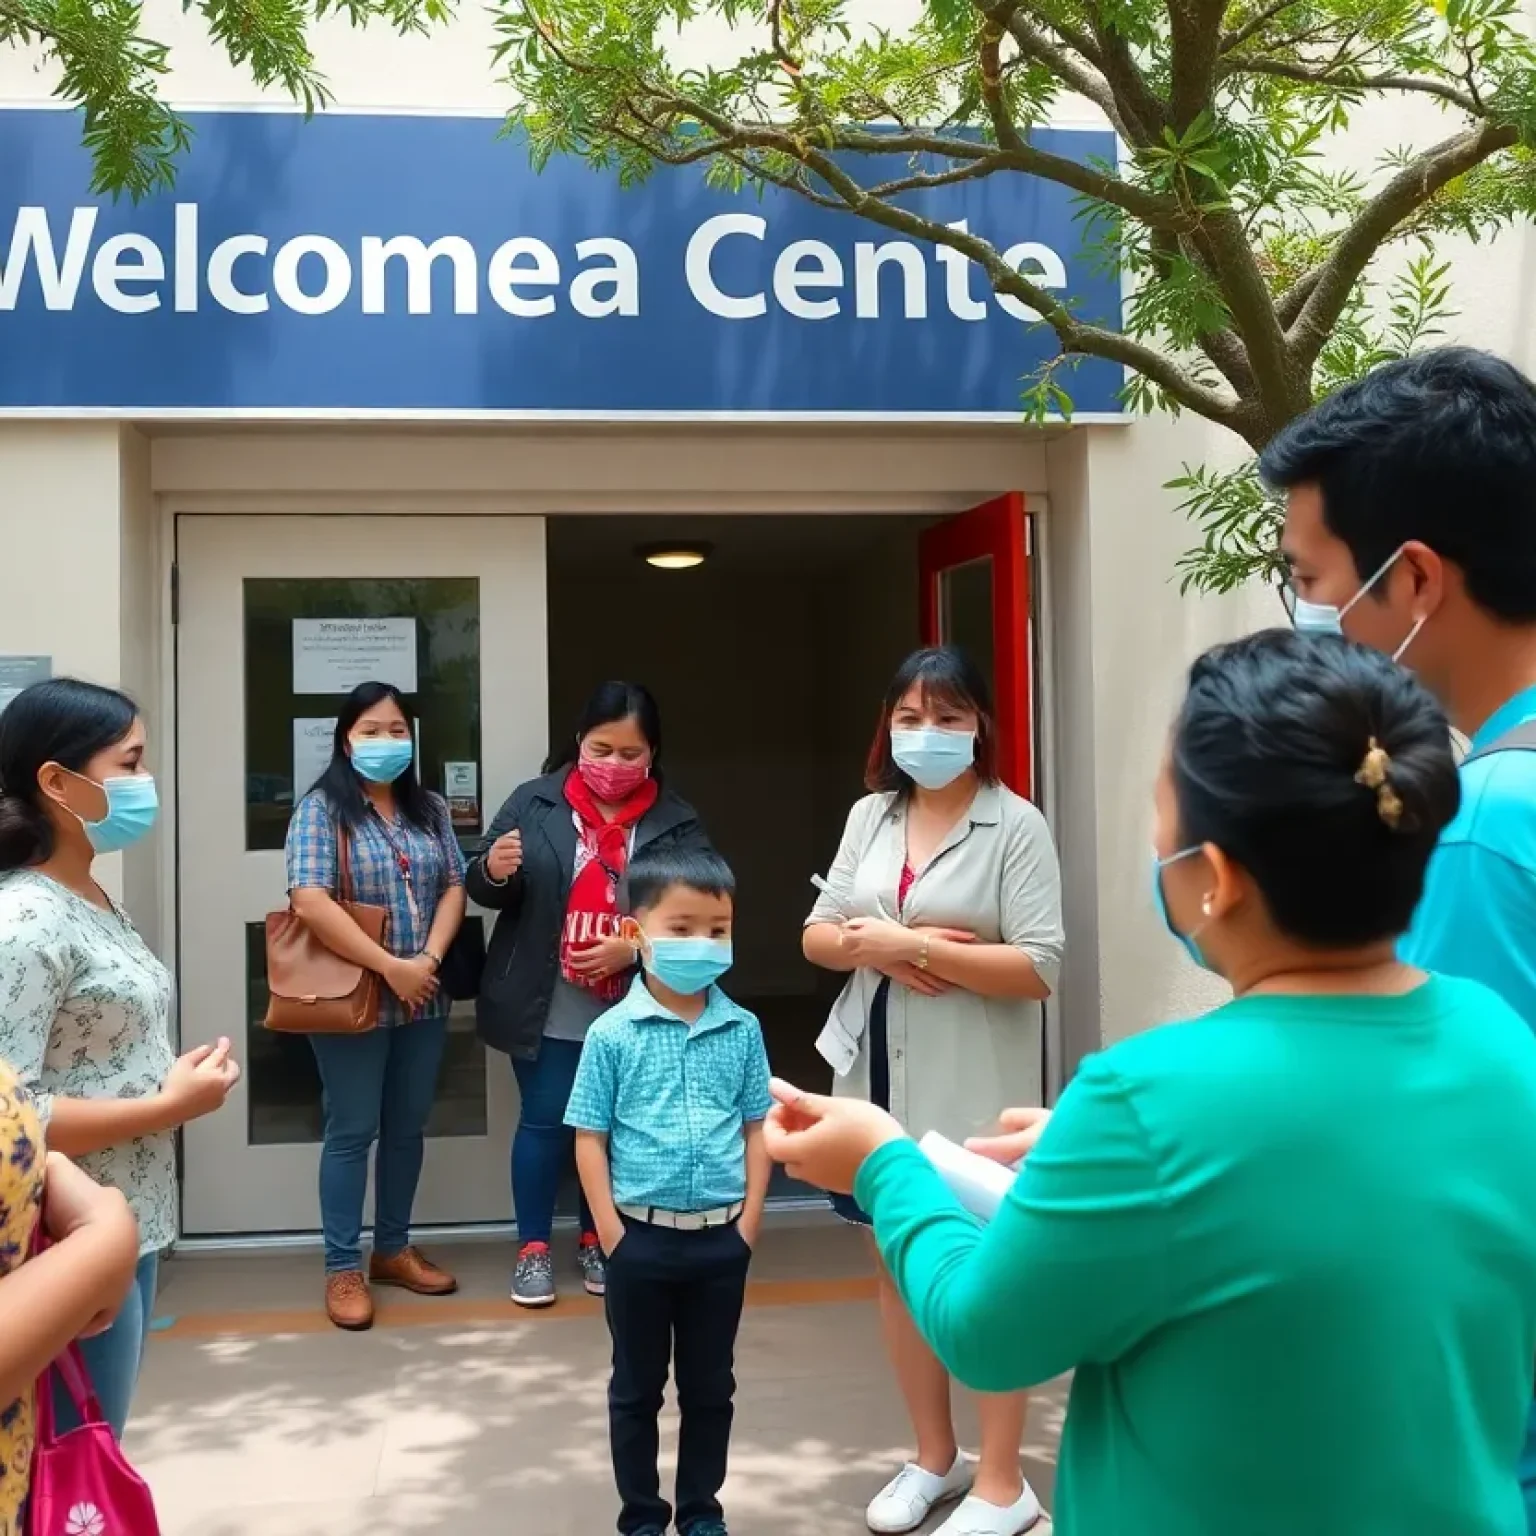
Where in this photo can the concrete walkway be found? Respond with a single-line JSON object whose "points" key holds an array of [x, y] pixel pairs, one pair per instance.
{"points": [[466, 1416]]}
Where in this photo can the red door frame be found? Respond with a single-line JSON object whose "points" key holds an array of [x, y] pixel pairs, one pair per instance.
{"points": [[995, 531]]}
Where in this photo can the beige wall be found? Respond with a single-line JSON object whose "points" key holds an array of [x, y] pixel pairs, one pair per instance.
{"points": [[1123, 638], [665, 468], [142, 586], [63, 577]]}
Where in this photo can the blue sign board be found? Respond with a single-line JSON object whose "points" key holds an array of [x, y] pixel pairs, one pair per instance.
{"points": [[405, 265]]}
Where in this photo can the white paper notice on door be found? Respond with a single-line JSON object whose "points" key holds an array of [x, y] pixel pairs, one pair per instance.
{"points": [[335, 655], [312, 739]]}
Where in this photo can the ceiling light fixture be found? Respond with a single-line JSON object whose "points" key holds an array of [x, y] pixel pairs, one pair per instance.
{"points": [[674, 557]]}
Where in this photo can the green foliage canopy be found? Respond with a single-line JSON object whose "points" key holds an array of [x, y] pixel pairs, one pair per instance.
{"points": [[1260, 262]]}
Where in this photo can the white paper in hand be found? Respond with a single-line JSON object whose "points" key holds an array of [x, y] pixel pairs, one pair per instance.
{"points": [[978, 1183]]}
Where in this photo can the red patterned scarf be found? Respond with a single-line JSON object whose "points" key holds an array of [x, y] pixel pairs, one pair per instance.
{"points": [[602, 851]]}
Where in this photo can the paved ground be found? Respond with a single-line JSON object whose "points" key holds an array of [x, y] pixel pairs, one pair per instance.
{"points": [[464, 1416]]}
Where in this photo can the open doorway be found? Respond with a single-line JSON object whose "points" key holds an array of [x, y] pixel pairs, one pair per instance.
{"points": [[769, 661]]}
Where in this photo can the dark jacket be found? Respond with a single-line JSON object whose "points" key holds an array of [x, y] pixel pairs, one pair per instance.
{"points": [[523, 957]]}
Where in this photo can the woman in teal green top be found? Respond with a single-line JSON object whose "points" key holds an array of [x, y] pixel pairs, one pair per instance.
{"points": [[1289, 1248]]}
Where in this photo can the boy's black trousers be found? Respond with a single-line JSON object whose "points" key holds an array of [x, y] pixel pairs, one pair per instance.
{"points": [[674, 1299]]}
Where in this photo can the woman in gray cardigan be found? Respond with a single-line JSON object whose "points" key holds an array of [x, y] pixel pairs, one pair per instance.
{"points": [[944, 908]]}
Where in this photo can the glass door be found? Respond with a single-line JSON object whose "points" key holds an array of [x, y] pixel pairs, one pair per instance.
{"points": [[279, 618], [975, 594]]}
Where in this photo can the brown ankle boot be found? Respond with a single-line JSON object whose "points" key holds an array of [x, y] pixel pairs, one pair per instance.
{"points": [[347, 1302], [410, 1270]]}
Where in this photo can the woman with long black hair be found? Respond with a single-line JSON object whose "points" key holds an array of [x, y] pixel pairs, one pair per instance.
{"points": [[86, 1019], [378, 1086], [551, 864]]}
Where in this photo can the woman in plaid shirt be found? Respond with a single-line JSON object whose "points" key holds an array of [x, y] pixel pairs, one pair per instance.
{"points": [[378, 1086]]}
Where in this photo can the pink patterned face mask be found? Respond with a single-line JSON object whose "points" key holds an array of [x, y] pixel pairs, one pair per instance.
{"points": [[611, 779]]}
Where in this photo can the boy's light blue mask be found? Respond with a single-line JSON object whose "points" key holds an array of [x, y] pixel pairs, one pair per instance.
{"points": [[382, 759], [688, 966]]}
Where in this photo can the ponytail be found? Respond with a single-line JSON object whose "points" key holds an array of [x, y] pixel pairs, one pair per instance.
{"points": [[26, 835]]}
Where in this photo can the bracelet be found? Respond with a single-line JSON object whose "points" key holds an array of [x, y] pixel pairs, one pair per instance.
{"points": [[922, 957], [437, 960]]}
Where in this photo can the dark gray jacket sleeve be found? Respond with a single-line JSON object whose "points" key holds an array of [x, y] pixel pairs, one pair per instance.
{"points": [[505, 895]]}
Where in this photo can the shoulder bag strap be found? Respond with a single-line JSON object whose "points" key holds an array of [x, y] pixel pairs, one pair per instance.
{"points": [[344, 890], [1521, 739]]}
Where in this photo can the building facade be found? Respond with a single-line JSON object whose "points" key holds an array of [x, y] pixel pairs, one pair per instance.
{"points": [[367, 396]]}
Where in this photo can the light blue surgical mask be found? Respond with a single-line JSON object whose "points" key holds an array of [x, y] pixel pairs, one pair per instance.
{"points": [[688, 966], [1160, 902], [382, 759], [933, 759], [133, 803], [1327, 619]]}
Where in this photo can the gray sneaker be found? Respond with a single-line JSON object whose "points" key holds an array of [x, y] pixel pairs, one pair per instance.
{"points": [[533, 1281], [594, 1269]]}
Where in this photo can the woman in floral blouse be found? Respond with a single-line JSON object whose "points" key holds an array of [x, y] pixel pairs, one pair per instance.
{"points": [[85, 1008], [73, 1288]]}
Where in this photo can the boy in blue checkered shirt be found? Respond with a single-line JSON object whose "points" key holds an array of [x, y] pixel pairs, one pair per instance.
{"points": [[668, 1107]]}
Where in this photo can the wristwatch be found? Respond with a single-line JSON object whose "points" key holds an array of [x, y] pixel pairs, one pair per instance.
{"points": [[437, 960]]}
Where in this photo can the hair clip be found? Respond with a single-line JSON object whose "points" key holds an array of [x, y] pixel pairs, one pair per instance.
{"points": [[1375, 774]]}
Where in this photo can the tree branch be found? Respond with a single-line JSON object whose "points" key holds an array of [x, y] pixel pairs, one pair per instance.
{"points": [[1072, 72], [1074, 335], [1139, 104], [1255, 24], [981, 159], [1410, 189], [1282, 69], [1224, 348], [1289, 305], [1194, 32], [787, 61], [990, 67]]}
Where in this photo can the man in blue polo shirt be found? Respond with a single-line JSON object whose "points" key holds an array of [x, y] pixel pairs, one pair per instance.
{"points": [[1411, 527]]}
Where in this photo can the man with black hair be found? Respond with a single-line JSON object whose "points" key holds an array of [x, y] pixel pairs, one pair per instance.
{"points": [[1411, 527]]}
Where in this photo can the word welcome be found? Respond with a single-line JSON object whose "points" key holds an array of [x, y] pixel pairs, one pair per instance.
{"points": [[313, 274]]}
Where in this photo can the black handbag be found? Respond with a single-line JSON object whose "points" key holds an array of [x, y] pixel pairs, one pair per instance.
{"points": [[459, 974]]}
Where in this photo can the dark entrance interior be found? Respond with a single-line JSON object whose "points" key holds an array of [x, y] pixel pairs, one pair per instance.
{"points": [[769, 661]]}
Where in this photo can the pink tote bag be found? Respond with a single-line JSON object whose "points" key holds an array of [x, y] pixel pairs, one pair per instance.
{"points": [[82, 1484]]}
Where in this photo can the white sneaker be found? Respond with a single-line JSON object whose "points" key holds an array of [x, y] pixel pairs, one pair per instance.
{"points": [[906, 1501], [975, 1517]]}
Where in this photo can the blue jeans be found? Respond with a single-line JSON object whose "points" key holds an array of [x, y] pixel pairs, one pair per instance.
{"points": [[113, 1358], [379, 1088], [543, 1143]]}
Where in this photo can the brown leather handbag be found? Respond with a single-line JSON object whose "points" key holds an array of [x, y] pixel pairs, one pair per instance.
{"points": [[313, 990]]}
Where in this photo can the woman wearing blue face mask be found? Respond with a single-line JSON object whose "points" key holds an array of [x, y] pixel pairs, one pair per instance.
{"points": [[379, 1086], [943, 907], [85, 1022], [1287, 1247]]}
